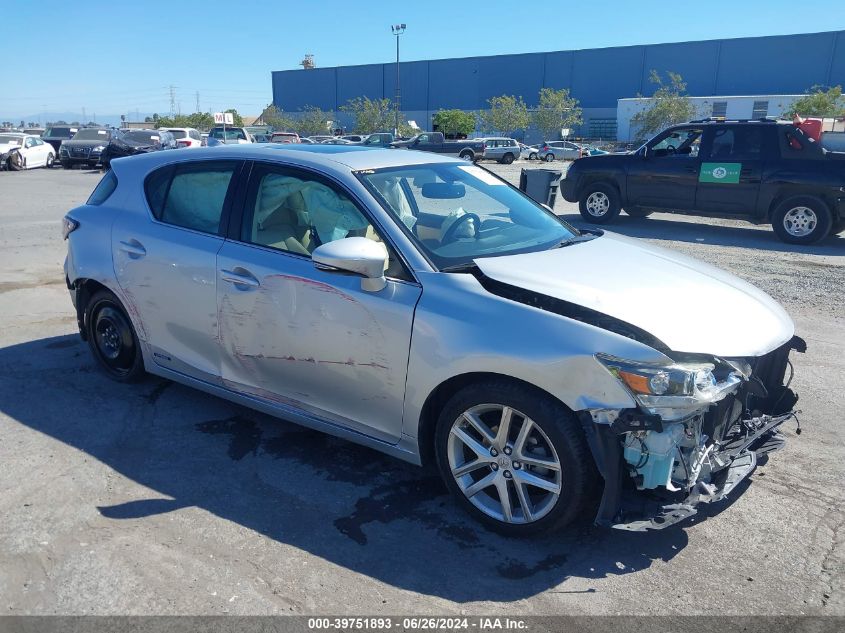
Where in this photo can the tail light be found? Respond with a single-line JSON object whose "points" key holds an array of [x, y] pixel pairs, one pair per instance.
{"points": [[183, 143], [69, 225]]}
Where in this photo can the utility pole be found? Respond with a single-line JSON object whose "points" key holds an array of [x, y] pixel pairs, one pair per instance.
{"points": [[83, 116], [198, 101], [397, 30], [172, 101]]}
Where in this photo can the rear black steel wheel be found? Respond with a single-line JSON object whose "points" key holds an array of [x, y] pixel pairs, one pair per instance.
{"points": [[112, 338]]}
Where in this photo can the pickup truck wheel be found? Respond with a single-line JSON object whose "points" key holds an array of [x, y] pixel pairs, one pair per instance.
{"points": [[599, 204], [515, 459], [802, 220], [637, 212], [549, 157], [507, 159], [466, 155]]}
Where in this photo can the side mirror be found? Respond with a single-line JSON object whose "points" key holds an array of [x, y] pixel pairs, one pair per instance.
{"points": [[356, 255]]}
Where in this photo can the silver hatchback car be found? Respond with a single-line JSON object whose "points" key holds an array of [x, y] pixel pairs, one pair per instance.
{"points": [[424, 307]]}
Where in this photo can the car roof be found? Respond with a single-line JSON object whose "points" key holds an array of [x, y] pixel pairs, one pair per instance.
{"points": [[352, 157]]}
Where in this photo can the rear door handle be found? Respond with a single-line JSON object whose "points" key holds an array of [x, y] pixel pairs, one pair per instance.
{"points": [[239, 277], [133, 248]]}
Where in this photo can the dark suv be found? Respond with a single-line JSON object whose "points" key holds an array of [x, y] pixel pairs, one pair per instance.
{"points": [[57, 134], [764, 171], [85, 148]]}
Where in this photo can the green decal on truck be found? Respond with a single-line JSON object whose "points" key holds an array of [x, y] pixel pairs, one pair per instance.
{"points": [[720, 172]]}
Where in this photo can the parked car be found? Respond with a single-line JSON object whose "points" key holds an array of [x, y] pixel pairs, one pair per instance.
{"points": [[25, 151], [336, 141], [379, 139], [230, 135], [503, 150], [285, 137], [528, 152], [354, 138], [434, 142], [762, 171], [134, 142], [305, 140], [319, 138], [186, 136], [85, 148], [56, 134], [406, 268], [560, 150]]}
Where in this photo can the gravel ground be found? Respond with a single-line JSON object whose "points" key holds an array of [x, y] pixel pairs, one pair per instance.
{"points": [[154, 498]]}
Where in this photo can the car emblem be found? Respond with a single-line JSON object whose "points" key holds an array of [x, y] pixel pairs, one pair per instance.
{"points": [[720, 172]]}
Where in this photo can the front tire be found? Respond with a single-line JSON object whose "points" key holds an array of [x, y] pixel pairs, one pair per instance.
{"points": [[50, 161], [16, 162], [515, 458], [112, 338], [802, 220], [549, 158], [599, 203], [533, 156]]}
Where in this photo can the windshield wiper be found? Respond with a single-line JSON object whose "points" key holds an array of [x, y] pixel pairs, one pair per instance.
{"points": [[466, 267], [576, 239]]}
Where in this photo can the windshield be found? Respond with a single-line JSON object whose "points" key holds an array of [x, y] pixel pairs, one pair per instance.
{"points": [[178, 133], [229, 135], [456, 213], [91, 134], [12, 139], [58, 132]]}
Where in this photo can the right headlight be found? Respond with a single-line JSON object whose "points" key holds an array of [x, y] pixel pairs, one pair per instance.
{"points": [[671, 390]]}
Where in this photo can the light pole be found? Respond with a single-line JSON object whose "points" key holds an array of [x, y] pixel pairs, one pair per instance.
{"points": [[397, 30]]}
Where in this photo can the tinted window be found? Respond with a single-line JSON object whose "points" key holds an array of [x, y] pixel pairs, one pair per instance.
{"points": [[191, 195], [103, 190], [684, 142], [58, 132], [91, 134], [178, 133], [737, 143]]}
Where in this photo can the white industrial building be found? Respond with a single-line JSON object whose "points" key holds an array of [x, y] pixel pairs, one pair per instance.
{"points": [[730, 107]]}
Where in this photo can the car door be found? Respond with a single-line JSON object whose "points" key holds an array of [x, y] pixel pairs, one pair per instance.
{"points": [[165, 260], [665, 173], [302, 337], [44, 150], [730, 175], [30, 152]]}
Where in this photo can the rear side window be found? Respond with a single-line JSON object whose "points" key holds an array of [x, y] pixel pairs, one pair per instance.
{"points": [[191, 195], [104, 189]]}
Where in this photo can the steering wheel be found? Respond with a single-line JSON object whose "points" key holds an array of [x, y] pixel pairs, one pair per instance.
{"points": [[670, 149], [451, 233]]}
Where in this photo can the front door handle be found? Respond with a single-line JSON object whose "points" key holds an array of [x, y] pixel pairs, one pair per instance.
{"points": [[239, 277], [133, 248]]}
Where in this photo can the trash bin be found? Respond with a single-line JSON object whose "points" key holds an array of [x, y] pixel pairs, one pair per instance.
{"points": [[541, 184]]}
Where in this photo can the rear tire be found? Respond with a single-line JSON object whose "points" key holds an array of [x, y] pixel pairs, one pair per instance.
{"points": [[549, 158], [466, 155], [507, 159], [532, 156], [112, 338], [599, 203], [551, 451], [802, 220], [637, 212]]}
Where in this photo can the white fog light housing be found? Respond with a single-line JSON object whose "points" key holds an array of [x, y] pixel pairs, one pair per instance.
{"points": [[671, 391]]}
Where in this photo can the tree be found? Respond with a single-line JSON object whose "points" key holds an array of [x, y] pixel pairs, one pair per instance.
{"points": [[278, 119], [819, 102], [667, 106], [455, 122], [371, 115], [556, 111], [237, 121], [312, 121], [507, 114]]}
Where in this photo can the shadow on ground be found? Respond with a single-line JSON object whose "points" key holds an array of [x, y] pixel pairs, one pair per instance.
{"points": [[349, 505], [676, 229]]}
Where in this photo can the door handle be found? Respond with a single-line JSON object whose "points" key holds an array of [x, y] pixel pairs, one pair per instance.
{"points": [[244, 278], [133, 248]]}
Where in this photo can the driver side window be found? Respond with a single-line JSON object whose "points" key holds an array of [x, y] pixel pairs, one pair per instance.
{"points": [[684, 142]]}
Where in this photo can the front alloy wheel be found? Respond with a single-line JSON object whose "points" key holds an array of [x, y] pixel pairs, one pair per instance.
{"points": [[504, 463], [599, 203], [514, 457], [802, 220]]}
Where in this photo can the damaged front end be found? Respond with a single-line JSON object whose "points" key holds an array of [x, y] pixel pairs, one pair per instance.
{"points": [[700, 428]]}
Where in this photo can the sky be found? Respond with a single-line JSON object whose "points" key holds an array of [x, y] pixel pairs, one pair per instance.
{"points": [[114, 57]]}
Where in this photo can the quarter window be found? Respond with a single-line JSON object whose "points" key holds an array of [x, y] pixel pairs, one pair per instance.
{"points": [[191, 195], [104, 189], [737, 143]]}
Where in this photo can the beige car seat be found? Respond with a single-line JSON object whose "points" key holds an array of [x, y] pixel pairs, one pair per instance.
{"points": [[281, 219]]}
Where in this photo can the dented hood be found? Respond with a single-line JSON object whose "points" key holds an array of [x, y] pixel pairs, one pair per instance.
{"points": [[689, 305]]}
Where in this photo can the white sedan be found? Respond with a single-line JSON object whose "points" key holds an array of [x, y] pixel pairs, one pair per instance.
{"points": [[25, 151]]}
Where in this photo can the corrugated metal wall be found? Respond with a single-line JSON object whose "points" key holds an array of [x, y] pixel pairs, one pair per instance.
{"points": [[597, 77]]}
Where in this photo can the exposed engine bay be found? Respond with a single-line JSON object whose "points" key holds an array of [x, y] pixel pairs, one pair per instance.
{"points": [[699, 430]]}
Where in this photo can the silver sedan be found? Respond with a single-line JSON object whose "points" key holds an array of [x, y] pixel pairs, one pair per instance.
{"points": [[424, 307]]}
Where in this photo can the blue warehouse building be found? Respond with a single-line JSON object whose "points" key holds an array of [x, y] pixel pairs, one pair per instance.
{"points": [[784, 64]]}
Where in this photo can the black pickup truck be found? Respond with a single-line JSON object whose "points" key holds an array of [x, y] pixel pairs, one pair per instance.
{"points": [[467, 149], [764, 171]]}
